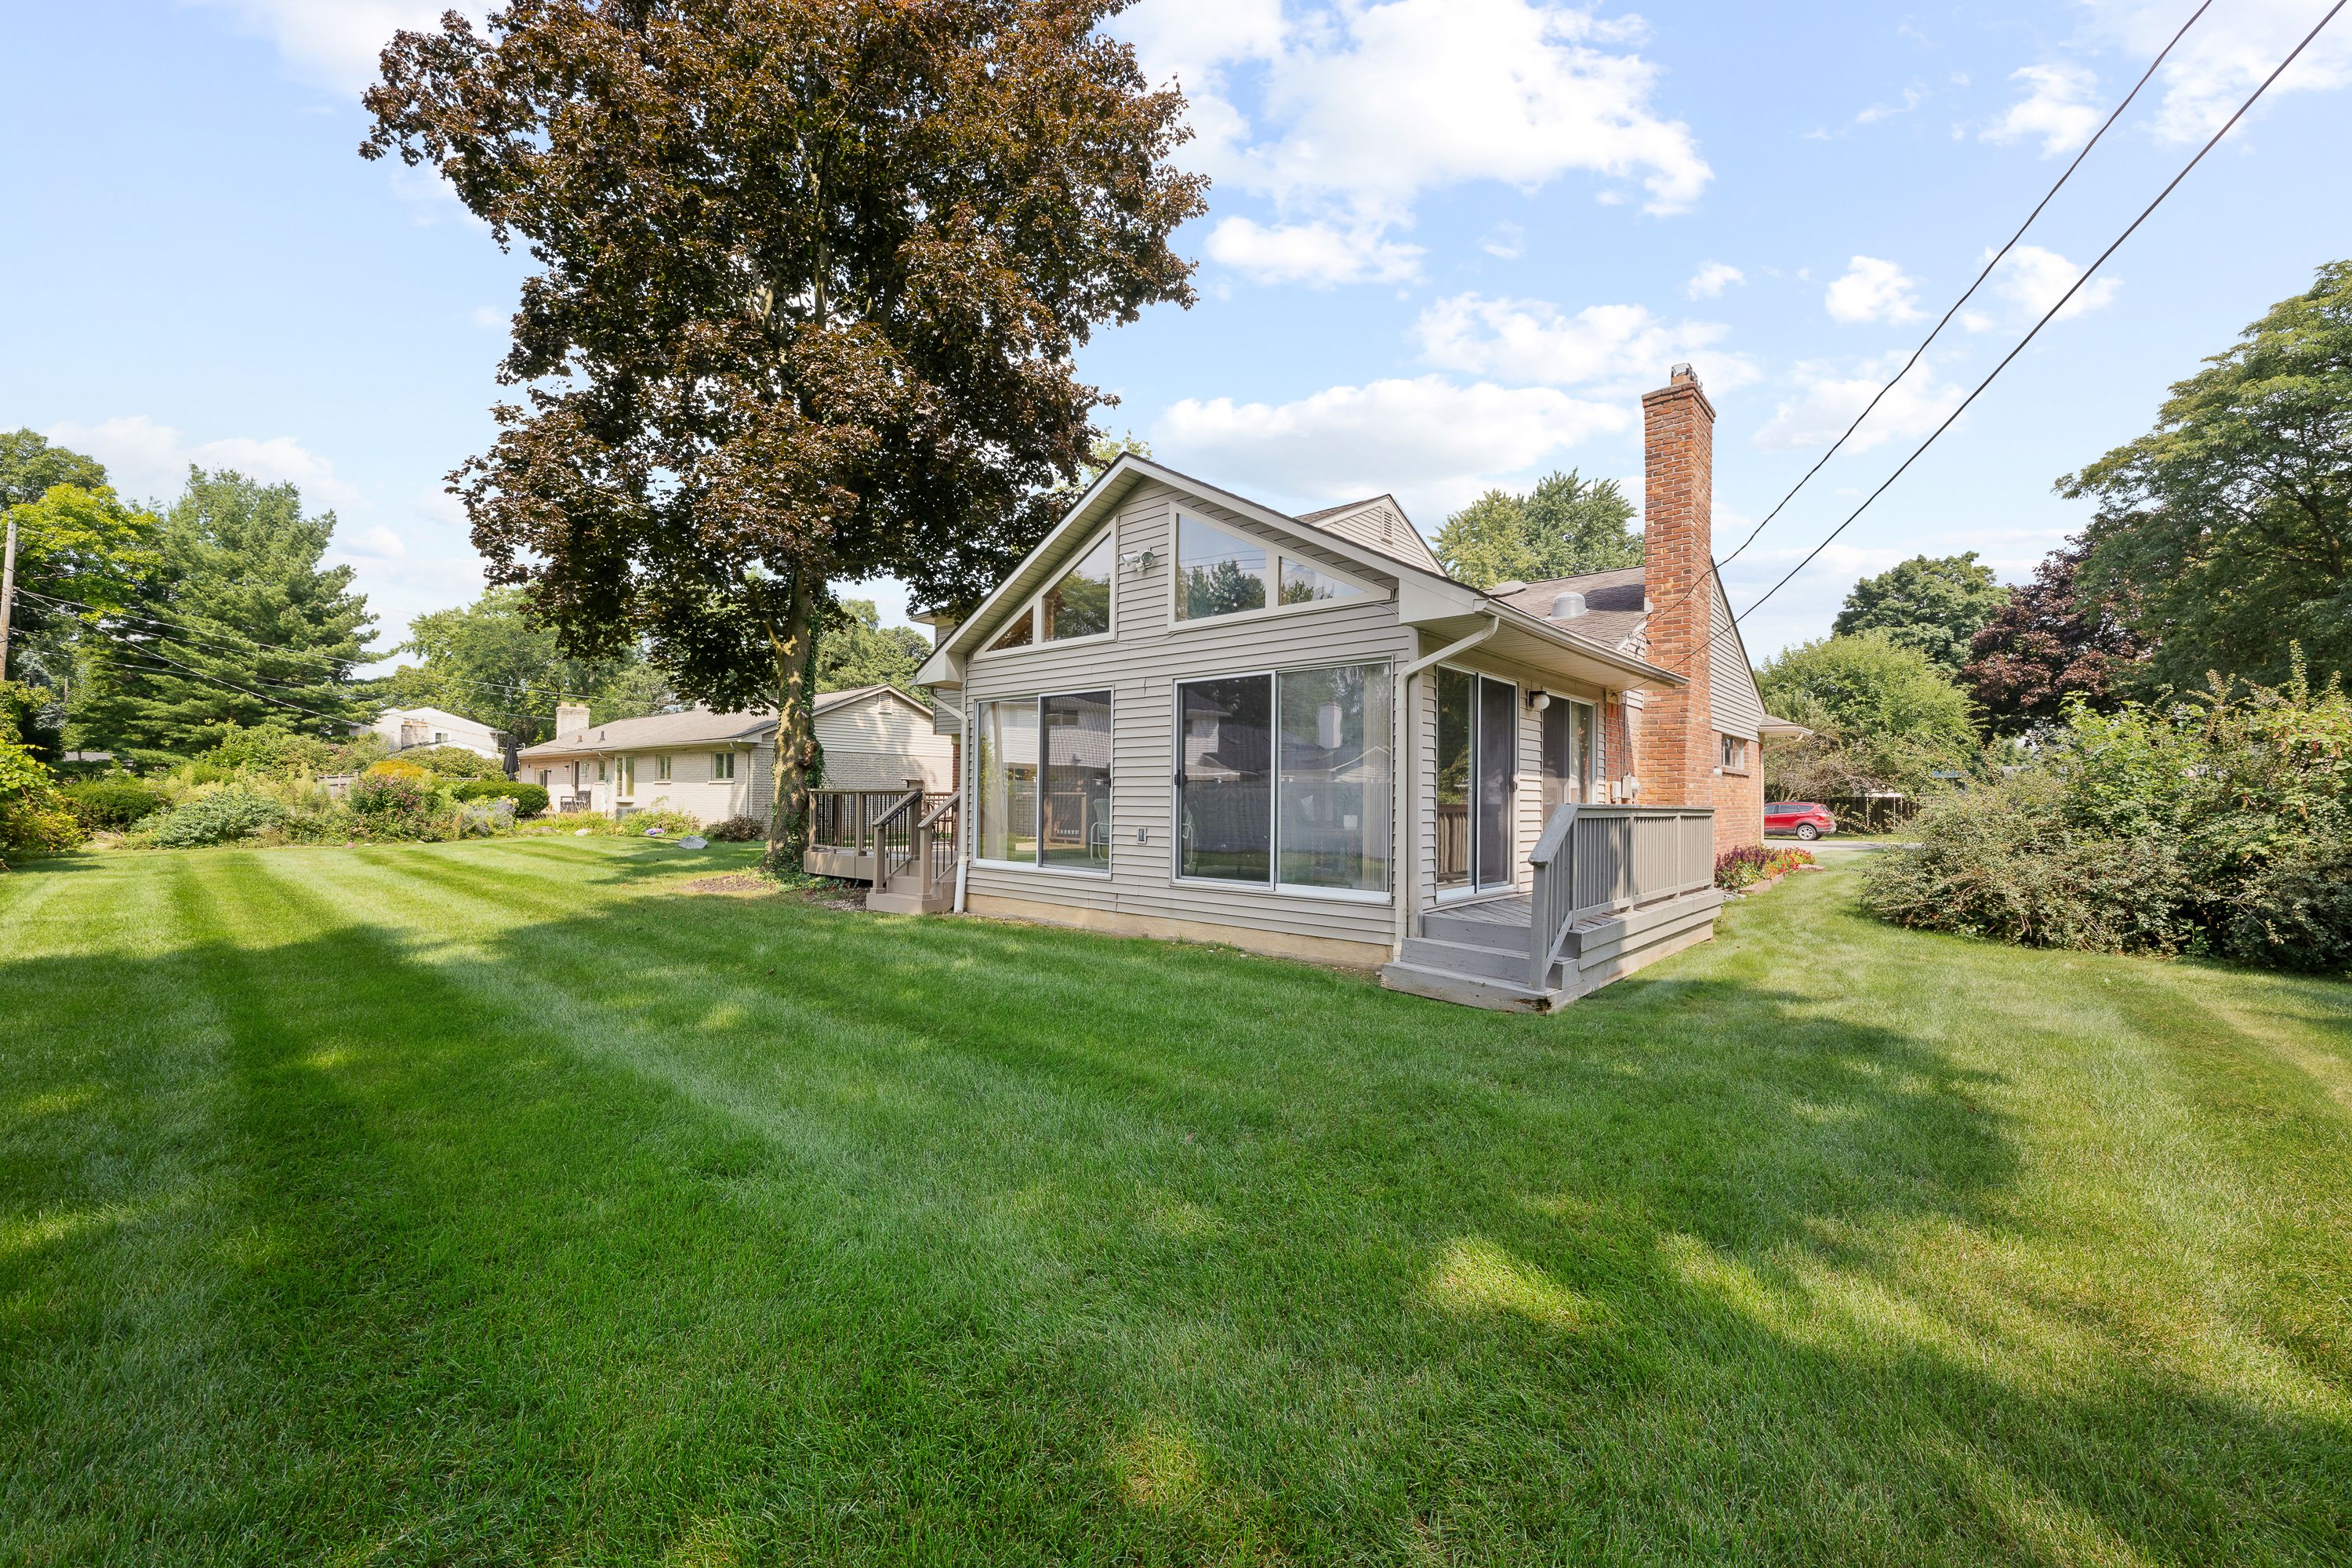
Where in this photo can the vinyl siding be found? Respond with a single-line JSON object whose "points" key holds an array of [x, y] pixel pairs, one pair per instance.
{"points": [[1147, 653], [1383, 527], [1731, 685], [880, 742]]}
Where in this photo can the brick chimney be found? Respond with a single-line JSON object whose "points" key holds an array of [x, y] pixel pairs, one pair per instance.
{"points": [[571, 718], [1676, 750]]}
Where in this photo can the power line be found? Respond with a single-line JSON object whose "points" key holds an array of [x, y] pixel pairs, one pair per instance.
{"points": [[2045, 321], [1965, 295]]}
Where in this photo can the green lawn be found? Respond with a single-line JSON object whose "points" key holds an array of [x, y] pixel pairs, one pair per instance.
{"points": [[502, 1203]]}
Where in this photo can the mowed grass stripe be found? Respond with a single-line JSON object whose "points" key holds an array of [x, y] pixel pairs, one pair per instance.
{"points": [[579, 1236]]}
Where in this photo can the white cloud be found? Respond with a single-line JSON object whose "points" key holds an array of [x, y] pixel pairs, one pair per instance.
{"points": [[145, 459], [490, 316], [1913, 96], [1712, 278], [2217, 64], [1429, 436], [1507, 241], [1827, 398], [2057, 106], [1872, 290], [1618, 348], [2032, 279], [1345, 115], [332, 43], [1314, 253], [377, 543]]}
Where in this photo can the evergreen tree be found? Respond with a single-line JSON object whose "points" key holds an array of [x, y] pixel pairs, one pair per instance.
{"points": [[242, 627], [1566, 526]]}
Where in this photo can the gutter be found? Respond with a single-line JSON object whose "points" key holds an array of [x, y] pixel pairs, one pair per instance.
{"points": [[1404, 775]]}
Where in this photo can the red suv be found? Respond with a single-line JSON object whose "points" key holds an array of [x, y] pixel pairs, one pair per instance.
{"points": [[1806, 819]]}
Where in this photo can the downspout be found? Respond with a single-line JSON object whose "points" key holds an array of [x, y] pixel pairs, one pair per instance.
{"points": [[967, 813], [1405, 772]]}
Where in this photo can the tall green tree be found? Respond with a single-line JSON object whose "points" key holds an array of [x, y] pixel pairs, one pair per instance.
{"points": [[243, 626], [75, 541], [813, 275], [1935, 604], [2224, 535], [1565, 527], [856, 649], [1884, 716], [488, 660]]}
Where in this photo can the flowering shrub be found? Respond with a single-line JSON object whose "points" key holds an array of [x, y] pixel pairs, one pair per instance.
{"points": [[663, 816], [1752, 863]]}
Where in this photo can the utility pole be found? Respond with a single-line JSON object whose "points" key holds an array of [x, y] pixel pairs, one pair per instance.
{"points": [[7, 591]]}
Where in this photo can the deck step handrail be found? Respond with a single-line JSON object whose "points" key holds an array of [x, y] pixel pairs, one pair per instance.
{"points": [[893, 838], [1593, 860]]}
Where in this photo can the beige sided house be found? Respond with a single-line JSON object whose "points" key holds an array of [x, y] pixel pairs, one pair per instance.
{"points": [[716, 765], [1187, 714]]}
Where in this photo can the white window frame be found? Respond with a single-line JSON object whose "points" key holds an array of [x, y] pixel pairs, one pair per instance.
{"points": [[1034, 607], [722, 767], [972, 749], [1724, 744], [1275, 556], [1271, 886], [662, 769]]}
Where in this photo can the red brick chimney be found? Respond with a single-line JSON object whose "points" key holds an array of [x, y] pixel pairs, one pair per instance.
{"points": [[1676, 751]]}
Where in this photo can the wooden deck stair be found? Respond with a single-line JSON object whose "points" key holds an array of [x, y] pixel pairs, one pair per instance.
{"points": [[1615, 888]]}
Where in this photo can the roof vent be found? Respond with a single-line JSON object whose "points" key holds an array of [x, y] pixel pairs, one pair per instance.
{"points": [[1568, 606], [1508, 585]]}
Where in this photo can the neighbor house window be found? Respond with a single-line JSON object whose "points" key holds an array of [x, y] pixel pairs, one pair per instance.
{"points": [[1044, 764], [722, 765], [661, 768], [1283, 780], [1735, 753], [545, 775], [1077, 605], [601, 773]]}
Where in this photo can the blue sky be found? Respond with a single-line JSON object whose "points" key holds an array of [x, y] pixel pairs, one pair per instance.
{"points": [[1450, 242]]}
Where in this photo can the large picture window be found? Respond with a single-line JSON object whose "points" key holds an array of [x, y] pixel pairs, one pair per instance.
{"points": [[1077, 605], [1045, 780], [1220, 573], [1284, 780]]}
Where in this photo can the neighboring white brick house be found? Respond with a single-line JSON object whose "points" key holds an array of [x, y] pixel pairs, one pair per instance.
{"points": [[717, 765], [404, 729]]}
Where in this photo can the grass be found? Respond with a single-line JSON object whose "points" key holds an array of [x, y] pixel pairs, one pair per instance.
{"points": [[500, 1203]]}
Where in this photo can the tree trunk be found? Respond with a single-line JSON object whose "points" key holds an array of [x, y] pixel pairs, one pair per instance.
{"points": [[789, 815]]}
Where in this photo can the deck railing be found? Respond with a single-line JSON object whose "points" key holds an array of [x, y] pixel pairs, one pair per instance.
{"points": [[894, 837], [935, 842], [1594, 860]]}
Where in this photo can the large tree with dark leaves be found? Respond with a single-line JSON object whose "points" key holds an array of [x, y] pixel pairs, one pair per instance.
{"points": [[812, 275], [2048, 645], [2225, 533]]}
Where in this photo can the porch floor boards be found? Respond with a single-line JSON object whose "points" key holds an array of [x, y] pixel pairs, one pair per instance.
{"points": [[1515, 910]]}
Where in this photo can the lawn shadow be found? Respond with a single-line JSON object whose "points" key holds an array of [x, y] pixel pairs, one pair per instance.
{"points": [[823, 1235]]}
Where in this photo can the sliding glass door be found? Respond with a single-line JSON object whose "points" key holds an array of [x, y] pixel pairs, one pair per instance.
{"points": [[1044, 781], [1570, 757], [1477, 776], [1284, 780]]}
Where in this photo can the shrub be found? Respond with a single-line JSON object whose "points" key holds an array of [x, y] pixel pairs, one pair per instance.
{"points": [[36, 818], [530, 799], [2296, 913], [671, 821], [220, 815], [737, 830], [267, 750], [1743, 866], [455, 762], [115, 802], [394, 803], [24, 719], [397, 768]]}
